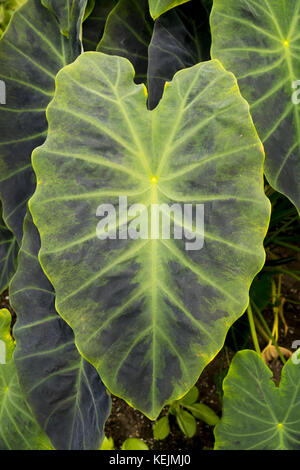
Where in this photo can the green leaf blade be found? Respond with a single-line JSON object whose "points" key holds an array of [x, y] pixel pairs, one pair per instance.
{"points": [[161, 428], [181, 38], [64, 391], [259, 43], [128, 32], [29, 75], [93, 26], [8, 254], [186, 422], [18, 427], [257, 415], [140, 291], [158, 7]]}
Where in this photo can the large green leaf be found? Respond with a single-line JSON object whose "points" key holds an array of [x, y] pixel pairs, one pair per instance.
{"points": [[8, 254], [93, 27], [181, 38], [259, 41], [148, 314], [32, 51], [257, 415], [18, 427], [64, 391], [128, 34], [158, 7]]}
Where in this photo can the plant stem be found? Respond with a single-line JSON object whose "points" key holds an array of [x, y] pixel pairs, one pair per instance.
{"points": [[265, 325], [253, 330]]}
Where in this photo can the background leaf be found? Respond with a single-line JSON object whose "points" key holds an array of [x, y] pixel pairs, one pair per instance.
{"points": [[257, 415], [8, 254], [32, 51], [18, 428], [128, 32], [181, 38], [93, 27], [158, 7], [66, 11], [147, 313], [64, 391], [259, 42]]}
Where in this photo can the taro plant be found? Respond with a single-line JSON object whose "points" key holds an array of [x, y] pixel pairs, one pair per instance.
{"points": [[186, 411], [139, 140]]}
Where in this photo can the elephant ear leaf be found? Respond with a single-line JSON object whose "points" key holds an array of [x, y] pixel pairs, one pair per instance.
{"points": [[93, 26], [128, 34], [149, 314], [259, 42], [257, 415], [158, 7], [32, 51], [18, 427], [66, 12], [8, 254], [181, 38], [64, 391]]}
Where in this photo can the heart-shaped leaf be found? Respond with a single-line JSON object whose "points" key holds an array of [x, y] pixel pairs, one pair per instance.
{"points": [[64, 391], [18, 427], [93, 27], [257, 415], [149, 314], [128, 34], [158, 7], [32, 51], [259, 41], [181, 38], [8, 254]]}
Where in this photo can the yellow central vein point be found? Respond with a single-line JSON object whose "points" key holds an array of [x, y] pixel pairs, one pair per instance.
{"points": [[154, 180], [286, 43]]}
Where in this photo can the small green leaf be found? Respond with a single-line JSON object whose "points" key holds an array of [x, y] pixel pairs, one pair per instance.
{"points": [[191, 397], [173, 409], [187, 423], [108, 444], [204, 413], [161, 428], [134, 444]]}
